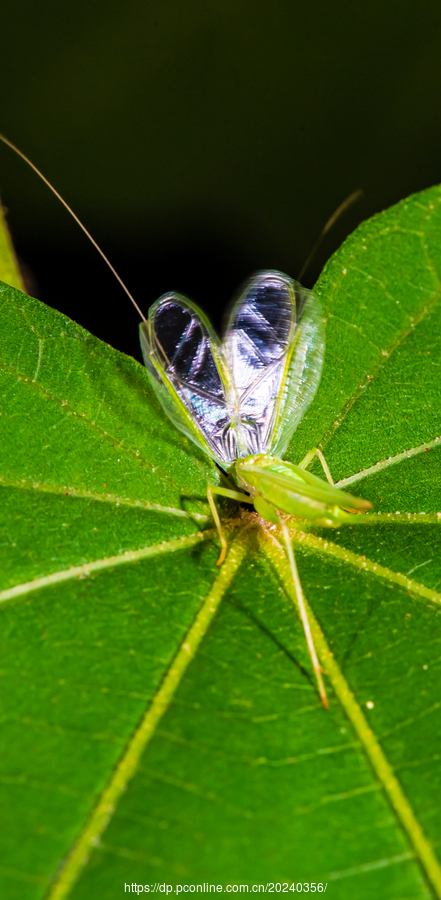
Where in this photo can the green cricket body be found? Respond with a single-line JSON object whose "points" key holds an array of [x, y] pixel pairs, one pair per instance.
{"points": [[241, 399], [276, 485]]}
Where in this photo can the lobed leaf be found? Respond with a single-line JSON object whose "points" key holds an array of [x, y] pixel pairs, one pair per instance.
{"points": [[160, 717]]}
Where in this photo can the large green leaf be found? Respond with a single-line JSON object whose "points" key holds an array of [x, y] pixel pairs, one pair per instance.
{"points": [[160, 721]]}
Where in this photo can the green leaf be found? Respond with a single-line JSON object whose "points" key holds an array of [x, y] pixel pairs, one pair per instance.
{"points": [[161, 722]]}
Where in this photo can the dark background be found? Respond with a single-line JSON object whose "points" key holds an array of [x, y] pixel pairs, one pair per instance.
{"points": [[201, 141]]}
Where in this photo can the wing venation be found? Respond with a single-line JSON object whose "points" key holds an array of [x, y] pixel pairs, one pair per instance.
{"points": [[247, 394], [184, 359], [260, 331]]}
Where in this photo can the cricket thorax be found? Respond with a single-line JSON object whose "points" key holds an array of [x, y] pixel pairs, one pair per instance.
{"points": [[250, 470]]}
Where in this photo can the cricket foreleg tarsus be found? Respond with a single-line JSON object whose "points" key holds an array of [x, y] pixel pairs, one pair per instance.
{"points": [[233, 495], [325, 466], [307, 460], [304, 616]]}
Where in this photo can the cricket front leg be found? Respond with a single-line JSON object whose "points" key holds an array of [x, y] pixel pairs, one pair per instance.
{"points": [[233, 495], [315, 452], [304, 615]]}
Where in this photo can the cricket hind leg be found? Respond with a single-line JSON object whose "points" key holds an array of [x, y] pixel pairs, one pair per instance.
{"points": [[304, 615], [315, 452], [233, 495]]}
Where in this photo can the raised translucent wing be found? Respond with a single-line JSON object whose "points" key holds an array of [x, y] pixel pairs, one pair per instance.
{"points": [[274, 348], [248, 394], [184, 359], [302, 372]]}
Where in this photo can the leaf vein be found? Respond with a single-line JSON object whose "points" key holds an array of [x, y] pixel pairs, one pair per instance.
{"points": [[63, 404], [131, 756], [97, 565], [384, 355], [66, 490], [369, 742], [390, 461], [363, 564], [369, 867]]}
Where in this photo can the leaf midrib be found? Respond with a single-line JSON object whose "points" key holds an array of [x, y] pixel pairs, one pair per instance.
{"points": [[130, 758], [81, 417], [382, 769], [382, 360], [102, 813], [129, 556], [113, 499], [363, 564]]}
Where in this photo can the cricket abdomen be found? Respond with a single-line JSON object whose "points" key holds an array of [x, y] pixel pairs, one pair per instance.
{"points": [[279, 486]]}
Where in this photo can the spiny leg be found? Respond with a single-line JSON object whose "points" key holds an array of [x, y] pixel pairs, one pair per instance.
{"points": [[315, 452], [233, 495], [304, 616]]}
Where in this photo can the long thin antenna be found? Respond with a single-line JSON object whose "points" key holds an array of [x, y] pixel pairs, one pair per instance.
{"points": [[77, 220], [336, 215]]}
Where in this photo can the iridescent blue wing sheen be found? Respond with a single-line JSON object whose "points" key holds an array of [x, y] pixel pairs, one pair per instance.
{"points": [[273, 346], [247, 394], [187, 371]]}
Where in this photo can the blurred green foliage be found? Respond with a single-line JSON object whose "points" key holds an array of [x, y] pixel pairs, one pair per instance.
{"points": [[203, 141]]}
